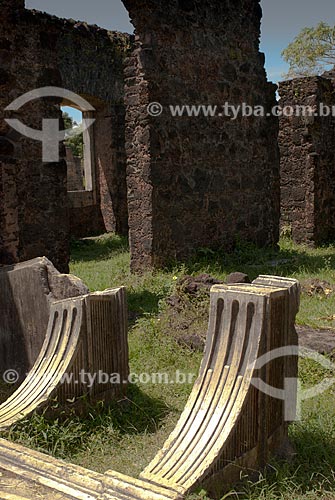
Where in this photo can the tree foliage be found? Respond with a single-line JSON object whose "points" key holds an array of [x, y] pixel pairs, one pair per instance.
{"points": [[311, 51], [75, 142], [68, 120]]}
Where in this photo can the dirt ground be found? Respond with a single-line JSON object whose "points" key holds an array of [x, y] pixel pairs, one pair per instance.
{"points": [[322, 341]]}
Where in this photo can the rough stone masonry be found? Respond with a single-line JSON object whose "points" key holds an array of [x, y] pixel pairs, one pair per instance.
{"points": [[198, 182], [190, 181], [308, 161], [37, 214]]}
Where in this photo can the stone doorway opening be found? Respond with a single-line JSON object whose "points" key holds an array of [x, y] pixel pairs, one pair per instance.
{"points": [[79, 149]]}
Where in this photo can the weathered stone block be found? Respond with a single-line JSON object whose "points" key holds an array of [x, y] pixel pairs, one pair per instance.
{"points": [[51, 325]]}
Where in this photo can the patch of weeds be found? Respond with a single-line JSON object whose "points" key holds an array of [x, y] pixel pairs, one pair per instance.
{"points": [[126, 435]]}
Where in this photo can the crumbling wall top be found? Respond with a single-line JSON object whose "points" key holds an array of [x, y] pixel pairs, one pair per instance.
{"points": [[8, 8], [12, 4], [80, 27]]}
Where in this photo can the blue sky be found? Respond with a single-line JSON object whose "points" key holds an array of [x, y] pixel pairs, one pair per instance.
{"points": [[282, 21]]}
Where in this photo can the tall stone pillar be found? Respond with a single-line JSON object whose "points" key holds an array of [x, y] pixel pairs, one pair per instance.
{"points": [[198, 181]]}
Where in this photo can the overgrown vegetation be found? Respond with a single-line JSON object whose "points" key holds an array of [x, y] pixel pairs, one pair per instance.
{"points": [[126, 435], [74, 142]]}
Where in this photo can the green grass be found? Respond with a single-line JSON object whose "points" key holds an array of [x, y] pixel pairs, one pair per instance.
{"points": [[127, 434], [103, 262]]}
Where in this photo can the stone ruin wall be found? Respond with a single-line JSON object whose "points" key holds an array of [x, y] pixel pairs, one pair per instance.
{"points": [[192, 182], [75, 177], [198, 182], [37, 215], [307, 148], [33, 217], [91, 62]]}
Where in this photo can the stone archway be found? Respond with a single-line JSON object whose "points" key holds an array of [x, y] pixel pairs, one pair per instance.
{"points": [[39, 50]]}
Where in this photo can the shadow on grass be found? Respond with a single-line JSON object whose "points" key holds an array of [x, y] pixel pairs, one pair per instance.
{"points": [[311, 470], [254, 261], [138, 413], [64, 434], [142, 303], [245, 257], [98, 248], [315, 454]]}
